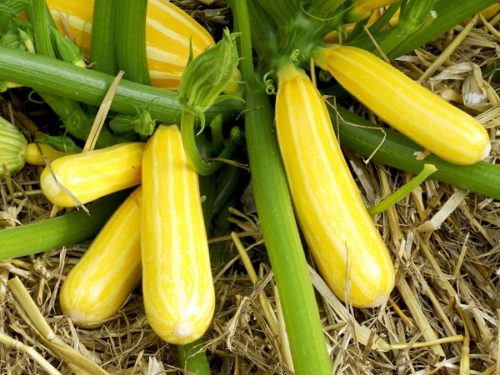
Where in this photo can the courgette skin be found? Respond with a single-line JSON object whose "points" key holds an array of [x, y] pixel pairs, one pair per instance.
{"points": [[92, 174], [405, 105], [345, 244], [98, 285], [35, 153], [178, 289]]}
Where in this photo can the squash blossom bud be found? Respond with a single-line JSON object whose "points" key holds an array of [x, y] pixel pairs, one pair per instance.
{"points": [[12, 148], [206, 76], [67, 50]]}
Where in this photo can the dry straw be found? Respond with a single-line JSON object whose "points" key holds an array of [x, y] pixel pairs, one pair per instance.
{"points": [[441, 319]]}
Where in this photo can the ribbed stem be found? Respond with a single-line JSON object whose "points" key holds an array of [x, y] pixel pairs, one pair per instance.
{"points": [[40, 21], [395, 150], [202, 166], [192, 358], [102, 52], [415, 16], [52, 234], [130, 43], [88, 86]]}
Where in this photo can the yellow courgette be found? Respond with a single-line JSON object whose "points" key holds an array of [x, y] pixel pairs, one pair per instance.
{"points": [[35, 152], [177, 284], [412, 109], [169, 31], [345, 244], [96, 288], [92, 174], [362, 9]]}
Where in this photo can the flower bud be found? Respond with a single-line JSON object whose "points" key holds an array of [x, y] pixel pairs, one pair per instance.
{"points": [[67, 50], [12, 148], [206, 76]]}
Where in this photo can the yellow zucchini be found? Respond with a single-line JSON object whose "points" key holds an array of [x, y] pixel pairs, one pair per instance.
{"points": [[92, 174], [177, 283], [344, 242], [333, 36], [362, 9], [412, 109], [96, 288], [169, 30], [33, 155]]}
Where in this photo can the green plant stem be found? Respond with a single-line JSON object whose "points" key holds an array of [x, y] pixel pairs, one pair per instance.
{"points": [[416, 15], [202, 166], [322, 8], [217, 133], [51, 234], [403, 191], [280, 231], [282, 11], [384, 19], [226, 185], [76, 121], [88, 86], [41, 28], [192, 358], [448, 16], [395, 150], [130, 43], [282, 239], [102, 52]]}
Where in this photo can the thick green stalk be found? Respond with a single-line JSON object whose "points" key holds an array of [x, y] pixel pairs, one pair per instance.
{"points": [[204, 167], [415, 14], [395, 150], [226, 185], [192, 359], [88, 86], [130, 42], [41, 28], [102, 52], [51, 234], [281, 235]]}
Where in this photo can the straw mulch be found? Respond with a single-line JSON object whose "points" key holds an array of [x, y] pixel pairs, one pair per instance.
{"points": [[442, 317]]}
